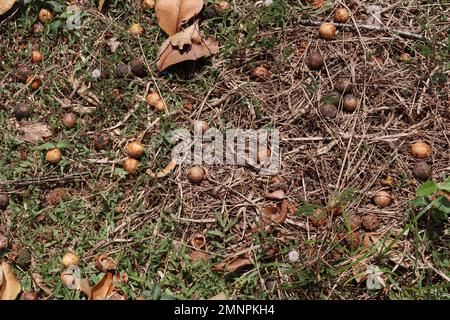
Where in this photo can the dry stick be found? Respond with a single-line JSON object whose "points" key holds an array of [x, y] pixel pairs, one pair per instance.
{"points": [[43, 179], [405, 34]]}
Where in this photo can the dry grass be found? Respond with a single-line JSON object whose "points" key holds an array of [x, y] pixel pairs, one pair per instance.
{"points": [[399, 103]]}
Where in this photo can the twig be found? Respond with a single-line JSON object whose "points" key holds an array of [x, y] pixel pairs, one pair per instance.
{"points": [[43, 179], [405, 34]]}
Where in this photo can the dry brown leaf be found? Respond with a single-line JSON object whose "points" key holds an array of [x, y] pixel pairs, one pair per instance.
{"points": [[164, 172], [173, 56], [33, 132], [219, 296], [233, 265], [171, 14], [105, 263], [6, 5], [104, 288], [186, 37], [39, 281], [9, 287], [237, 264], [282, 215], [198, 256]]}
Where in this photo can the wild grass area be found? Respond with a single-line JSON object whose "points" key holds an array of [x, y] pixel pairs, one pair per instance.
{"points": [[329, 234]]}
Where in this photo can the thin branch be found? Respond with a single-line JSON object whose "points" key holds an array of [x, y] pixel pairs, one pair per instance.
{"points": [[405, 34]]}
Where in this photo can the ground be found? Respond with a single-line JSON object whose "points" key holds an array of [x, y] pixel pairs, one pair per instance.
{"points": [[88, 204]]}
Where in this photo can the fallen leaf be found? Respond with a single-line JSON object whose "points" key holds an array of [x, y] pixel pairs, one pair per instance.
{"points": [[33, 132], [276, 195], [39, 281], [171, 14], [164, 172], [105, 263], [237, 264], [186, 37], [171, 55], [198, 256], [282, 213], [6, 5], [233, 265], [104, 288], [9, 287], [219, 296]]}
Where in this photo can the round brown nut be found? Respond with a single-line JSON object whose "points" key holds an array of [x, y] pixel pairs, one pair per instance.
{"points": [[328, 111], [36, 57], [101, 142], [422, 170], [122, 71], [4, 201], [21, 111], [138, 68], [29, 295], [343, 85], [22, 73], [69, 120], [53, 156], [315, 60], [420, 150], [45, 16], [350, 102], [135, 149], [382, 199], [327, 30], [196, 174], [341, 15], [370, 222], [130, 165]]}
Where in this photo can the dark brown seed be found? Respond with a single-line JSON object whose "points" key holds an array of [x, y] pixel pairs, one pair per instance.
{"points": [[101, 142], [29, 295], [21, 111], [370, 222], [350, 102], [23, 258], [138, 68], [22, 73], [422, 170], [315, 60], [4, 201], [122, 71], [343, 85]]}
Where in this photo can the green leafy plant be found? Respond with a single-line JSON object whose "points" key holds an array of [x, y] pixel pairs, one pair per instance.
{"points": [[433, 202]]}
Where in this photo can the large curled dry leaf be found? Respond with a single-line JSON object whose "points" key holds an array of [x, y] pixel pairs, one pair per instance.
{"points": [[104, 289], [9, 286], [6, 5], [164, 172], [172, 55], [171, 14], [234, 264], [34, 132]]}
